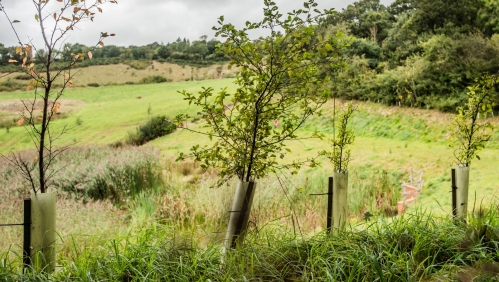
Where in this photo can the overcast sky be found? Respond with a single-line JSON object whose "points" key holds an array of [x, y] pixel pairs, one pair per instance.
{"points": [[140, 22]]}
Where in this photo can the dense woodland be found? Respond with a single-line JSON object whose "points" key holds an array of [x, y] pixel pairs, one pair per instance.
{"points": [[415, 53]]}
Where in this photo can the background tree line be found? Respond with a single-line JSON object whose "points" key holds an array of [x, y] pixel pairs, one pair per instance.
{"points": [[417, 53], [198, 52]]}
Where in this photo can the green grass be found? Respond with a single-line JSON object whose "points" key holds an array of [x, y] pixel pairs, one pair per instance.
{"points": [[110, 112], [175, 231], [393, 139], [416, 247]]}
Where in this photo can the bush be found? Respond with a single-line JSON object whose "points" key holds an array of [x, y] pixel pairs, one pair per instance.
{"points": [[23, 77], [93, 84], [8, 123], [10, 85], [228, 75], [138, 64], [154, 128], [153, 79]]}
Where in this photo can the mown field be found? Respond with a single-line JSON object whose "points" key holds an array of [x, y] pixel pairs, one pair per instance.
{"points": [[175, 200]]}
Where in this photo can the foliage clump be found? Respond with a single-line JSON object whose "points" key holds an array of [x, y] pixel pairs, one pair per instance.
{"points": [[154, 128], [153, 79], [469, 134], [340, 155], [10, 85], [281, 82]]}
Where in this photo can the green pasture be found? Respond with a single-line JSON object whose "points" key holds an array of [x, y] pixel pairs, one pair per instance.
{"points": [[394, 139], [109, 112]]}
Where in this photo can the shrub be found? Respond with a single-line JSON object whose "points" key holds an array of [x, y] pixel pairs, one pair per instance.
{"points": [[138, 64], [10, 85], [23, 77], [153, 79], [93, 84], [228, 75], [8, 123], [154, 128]]}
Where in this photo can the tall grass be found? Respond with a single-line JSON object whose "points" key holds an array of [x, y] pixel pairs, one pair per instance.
{"points": [[93, 172], [84, 175], [413, 247], [288, 197]]}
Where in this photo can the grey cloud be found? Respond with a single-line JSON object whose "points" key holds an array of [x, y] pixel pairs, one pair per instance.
{"points": [[139, 22]]}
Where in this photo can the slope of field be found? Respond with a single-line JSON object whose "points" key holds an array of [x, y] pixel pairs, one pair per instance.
{"points": [[108, 113], [389, 141], [394, 139]]}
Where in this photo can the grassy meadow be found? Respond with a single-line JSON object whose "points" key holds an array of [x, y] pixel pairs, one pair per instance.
{"points": [[134, 214]]}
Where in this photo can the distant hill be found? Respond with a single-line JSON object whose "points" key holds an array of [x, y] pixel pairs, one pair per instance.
{"points": [[135, 72]]}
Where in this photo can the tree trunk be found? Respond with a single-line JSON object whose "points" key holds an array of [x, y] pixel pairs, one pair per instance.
{"points": [[239, 214]]}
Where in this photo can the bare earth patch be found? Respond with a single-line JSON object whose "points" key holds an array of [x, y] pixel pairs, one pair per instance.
{"points": [[16, 106]]}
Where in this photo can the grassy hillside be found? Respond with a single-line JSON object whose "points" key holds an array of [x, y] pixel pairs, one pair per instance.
{"points": [[118, 74], [394, 139], [389, 142], [105, 115]]}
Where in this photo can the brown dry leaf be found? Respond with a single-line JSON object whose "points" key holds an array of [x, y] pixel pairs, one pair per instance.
{"points": [[66, 76], [20, 122], [100, 10], [12, 61], [55, 16], [101, 43], [89, 55], [70, 83], [56, 107]]}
